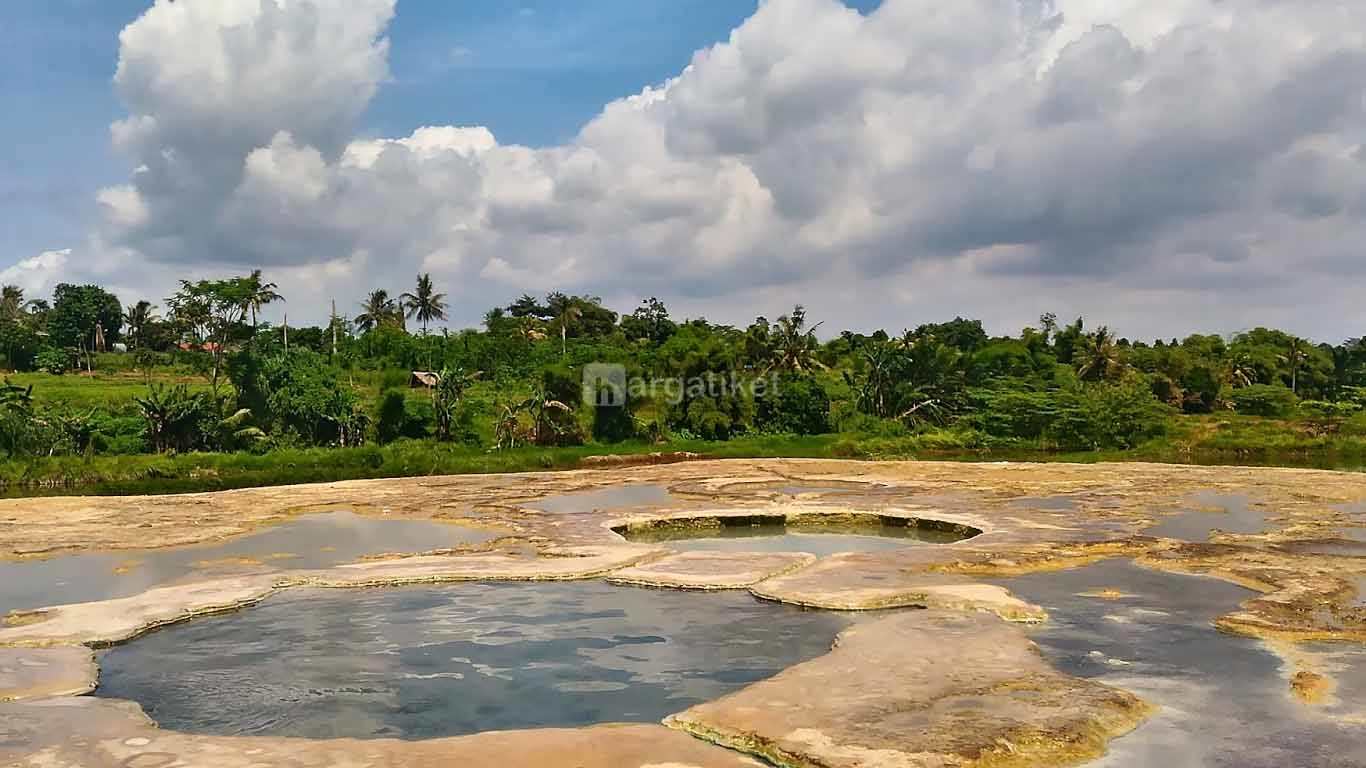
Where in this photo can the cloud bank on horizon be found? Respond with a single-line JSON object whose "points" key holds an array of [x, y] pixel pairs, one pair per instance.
{"points": [[1165, 165]]}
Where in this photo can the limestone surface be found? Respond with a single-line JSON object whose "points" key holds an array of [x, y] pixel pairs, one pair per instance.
{"points": [[99, 733], [868, 582], [711, 570], [30, 673], [923, 688]]}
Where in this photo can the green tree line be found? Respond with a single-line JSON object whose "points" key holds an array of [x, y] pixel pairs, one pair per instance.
{"points": [[243, 384]]}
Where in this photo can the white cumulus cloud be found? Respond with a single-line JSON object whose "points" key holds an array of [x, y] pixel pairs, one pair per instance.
{"points": [[37, 275], [1168, 164]]}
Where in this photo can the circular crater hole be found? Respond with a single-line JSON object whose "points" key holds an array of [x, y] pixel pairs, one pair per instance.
{"points": [[816, 533]]}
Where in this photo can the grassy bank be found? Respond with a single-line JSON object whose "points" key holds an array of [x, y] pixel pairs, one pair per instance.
{"points": [[182, 473], [1192, 440]]}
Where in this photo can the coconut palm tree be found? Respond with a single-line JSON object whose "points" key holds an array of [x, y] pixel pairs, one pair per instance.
{"points": [[1098, 357], [11, 303], [792, 345], [1294, 357], [137, 317], [876, 382], [570, 314], [377, 310], [425, 303], [259, 294]]}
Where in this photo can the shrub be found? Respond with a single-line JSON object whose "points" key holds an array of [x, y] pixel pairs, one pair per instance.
{"points": [[51, 360], [1326, 418], [299, 393], [795, 405], [1009, 413], [175, 417], [1076, 416], [391, 416], [1264, 400], [707, 422], [869, 425], [613, 424], [1124, 414]]}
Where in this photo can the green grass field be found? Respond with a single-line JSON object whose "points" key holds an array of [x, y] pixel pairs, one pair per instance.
{"points": [[105, 390]]}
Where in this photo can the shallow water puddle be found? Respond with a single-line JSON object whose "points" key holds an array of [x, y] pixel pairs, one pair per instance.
{"points": [[1230, 514], [605, 498], [423, 662], [1224, 700], [776, 537], [312, 541]]}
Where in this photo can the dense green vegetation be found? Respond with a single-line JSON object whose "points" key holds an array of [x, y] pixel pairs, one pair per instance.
{"points": [[207, 394]]}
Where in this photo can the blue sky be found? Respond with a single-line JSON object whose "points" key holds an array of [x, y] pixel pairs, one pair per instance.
{"points": [[532, 71]]}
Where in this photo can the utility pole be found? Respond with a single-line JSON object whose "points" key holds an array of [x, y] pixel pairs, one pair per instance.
{"points": [[286, 332], [334, 327]]}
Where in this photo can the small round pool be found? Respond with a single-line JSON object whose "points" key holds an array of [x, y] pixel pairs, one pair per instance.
{"points": [[817, 534]]}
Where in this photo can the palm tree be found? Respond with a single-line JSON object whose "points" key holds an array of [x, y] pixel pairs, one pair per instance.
{"points": [[137, 317], [570, 313], [1294, 357], [378, 309], [530, 329], [1097, 356], [793, 345], [876, 383], [1241, 371], [425, 304], [260, 294], [11, 303]]}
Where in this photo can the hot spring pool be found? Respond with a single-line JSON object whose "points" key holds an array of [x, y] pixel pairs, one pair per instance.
{"points": [[424, 662], [774, 533]]}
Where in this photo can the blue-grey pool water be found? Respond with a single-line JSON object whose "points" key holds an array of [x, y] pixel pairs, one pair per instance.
{"points": [[312, 541], [1225, 700], [823, 540], [605, 498], [1222, 512], [423, 662]]}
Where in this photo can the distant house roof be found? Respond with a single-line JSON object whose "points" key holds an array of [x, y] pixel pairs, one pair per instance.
{"points": [[208, 346], [426, 379]]}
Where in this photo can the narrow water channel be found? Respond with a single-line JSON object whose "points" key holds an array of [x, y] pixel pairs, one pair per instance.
{"points": [[1225, 700]]}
